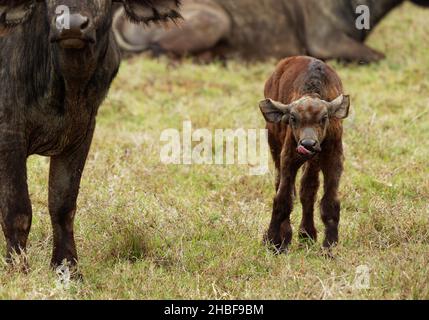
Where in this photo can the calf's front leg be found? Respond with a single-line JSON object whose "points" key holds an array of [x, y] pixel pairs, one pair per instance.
{"points": [[15, 205], [308, 193], [64, 181], [280, 231]]}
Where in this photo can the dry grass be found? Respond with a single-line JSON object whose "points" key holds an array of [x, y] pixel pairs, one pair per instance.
{"points": [[147, 230]]}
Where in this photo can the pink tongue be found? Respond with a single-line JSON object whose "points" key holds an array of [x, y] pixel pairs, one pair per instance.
{"points": [[303, 151]]}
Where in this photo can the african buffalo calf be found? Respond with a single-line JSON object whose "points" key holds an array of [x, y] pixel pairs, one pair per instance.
{"points": [[53, 78], [304, 110]]}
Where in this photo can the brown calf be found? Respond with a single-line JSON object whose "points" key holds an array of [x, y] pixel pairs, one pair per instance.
{"points": [[304, 110]]}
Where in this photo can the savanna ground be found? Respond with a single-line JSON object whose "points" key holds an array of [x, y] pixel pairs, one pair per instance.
{"points": [[146, 230]]}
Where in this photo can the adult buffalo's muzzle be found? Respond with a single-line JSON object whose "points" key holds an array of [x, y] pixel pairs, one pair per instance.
{"points": [[308, 147], [76, 34]]}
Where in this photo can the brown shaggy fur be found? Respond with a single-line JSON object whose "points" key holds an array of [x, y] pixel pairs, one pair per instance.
{"points": [[293, 79]]}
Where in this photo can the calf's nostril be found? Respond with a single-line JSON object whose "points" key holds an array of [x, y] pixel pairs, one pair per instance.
{"points": [[309, 144]]}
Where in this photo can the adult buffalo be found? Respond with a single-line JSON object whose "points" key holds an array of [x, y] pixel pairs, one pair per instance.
{"points": [[57, 61], [325, 29]]}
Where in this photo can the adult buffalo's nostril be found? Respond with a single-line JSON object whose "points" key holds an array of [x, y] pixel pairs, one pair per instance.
{"points": [[84, 24], [309, 144], [78, 23], [74, 33], [75, 25]]}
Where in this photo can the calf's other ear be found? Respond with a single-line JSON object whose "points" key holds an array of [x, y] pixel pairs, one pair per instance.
{"points": [[339, 108], [14, 13], [145, 11], [274, 112]]}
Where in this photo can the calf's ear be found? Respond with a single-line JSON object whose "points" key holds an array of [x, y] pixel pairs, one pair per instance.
{"points": [[274, 112], [339, 108], [14, 13], [145, 11]]}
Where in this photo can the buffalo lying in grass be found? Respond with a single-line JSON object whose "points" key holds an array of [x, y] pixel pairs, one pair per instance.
{"points": [[325, 29]]}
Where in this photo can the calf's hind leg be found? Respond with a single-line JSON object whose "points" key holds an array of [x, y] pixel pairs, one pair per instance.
{"points": [[308, 193], [330, 204]]}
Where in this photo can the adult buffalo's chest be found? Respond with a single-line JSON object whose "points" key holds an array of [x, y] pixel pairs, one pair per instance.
{"points": [[49, 101], [52, 130]]}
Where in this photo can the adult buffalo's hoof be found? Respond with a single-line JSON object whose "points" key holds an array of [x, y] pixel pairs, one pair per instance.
{"points": [[18, 262], [67, 272]]}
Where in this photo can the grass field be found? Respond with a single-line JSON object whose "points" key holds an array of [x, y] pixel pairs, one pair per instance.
{"points": [[146, 230]]}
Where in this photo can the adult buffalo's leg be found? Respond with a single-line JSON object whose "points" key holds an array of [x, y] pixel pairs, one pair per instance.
{"points": [[342, 47], [280, 231], [204, 25], [64, 180], [308, 193], [330, 205], [15, 205]]}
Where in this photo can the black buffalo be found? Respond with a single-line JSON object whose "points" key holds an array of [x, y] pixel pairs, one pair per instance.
{"points": [[53, 78], [259, 29]]}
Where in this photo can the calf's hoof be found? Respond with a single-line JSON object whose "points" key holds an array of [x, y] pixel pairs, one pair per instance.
{"points": [[277, 244], [331, 238], [328, 245], [307, 235], [327, 253]]}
